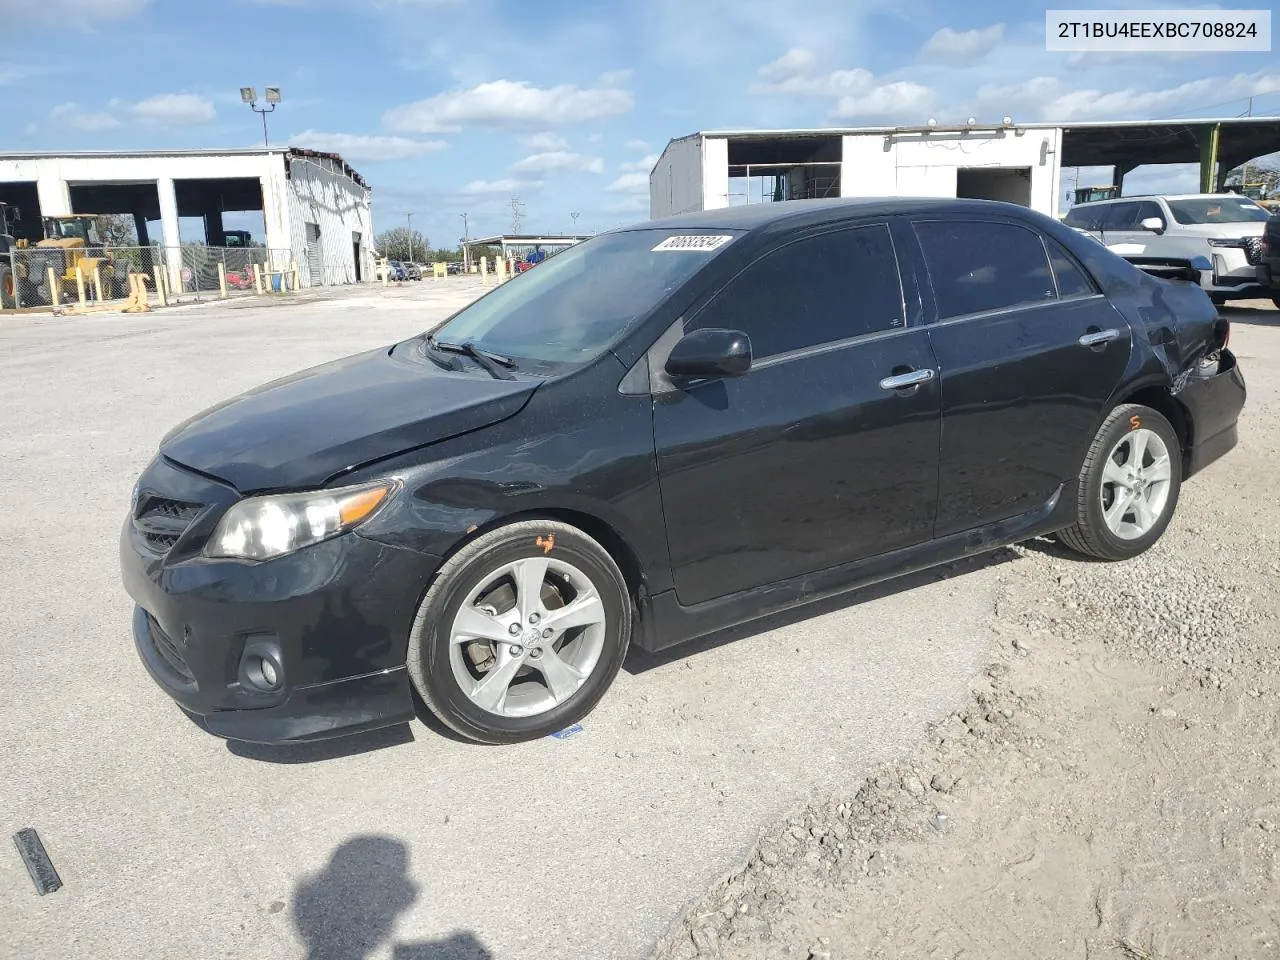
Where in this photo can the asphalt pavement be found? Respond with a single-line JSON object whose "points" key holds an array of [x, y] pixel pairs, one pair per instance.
{"points": [[404, 843]]}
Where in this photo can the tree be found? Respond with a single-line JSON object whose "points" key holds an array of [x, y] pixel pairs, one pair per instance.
{"points": [[401, 244], [117, 230]]}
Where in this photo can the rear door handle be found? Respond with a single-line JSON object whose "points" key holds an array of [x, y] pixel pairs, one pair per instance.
{"points": [[1098, 338], [912, 379]]}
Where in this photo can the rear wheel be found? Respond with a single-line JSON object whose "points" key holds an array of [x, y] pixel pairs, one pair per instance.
{"points": [[1128, 486], [521, 633]]}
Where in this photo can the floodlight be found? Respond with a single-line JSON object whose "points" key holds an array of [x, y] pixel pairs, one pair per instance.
{"points": [[932, 123], [972, 121], [273, 94], [248, 95], [1007, 121]]}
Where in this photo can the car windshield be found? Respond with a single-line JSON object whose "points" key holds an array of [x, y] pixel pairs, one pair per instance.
{"points": [[1217, 210], [580, 302]]}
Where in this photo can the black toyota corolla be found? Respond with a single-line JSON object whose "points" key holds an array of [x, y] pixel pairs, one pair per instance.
{"points": [[663, 431]]}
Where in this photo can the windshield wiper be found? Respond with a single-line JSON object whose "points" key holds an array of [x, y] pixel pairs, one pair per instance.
{"points": [[497, 365]]}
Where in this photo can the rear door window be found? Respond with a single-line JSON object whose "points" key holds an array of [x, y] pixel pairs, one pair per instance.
{"points": [[1072, 280], [977, 266], [1120, 216], [817, 290]]}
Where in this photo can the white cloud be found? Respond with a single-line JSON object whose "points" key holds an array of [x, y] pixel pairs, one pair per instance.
{"points": [[857, 94], [636, 145], [508, 185], [630, 183], [1049, 99], [358, 148], [544, 142], [614, 77], [794, 62], [900, 102], [503, 104], [559, 161], [644, 164], [71, 116], [962, 46], [175, 109]]}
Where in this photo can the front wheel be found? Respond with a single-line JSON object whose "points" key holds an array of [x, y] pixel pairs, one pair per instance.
{"points": [[521, 633], [8, 289], [1128, 486]]}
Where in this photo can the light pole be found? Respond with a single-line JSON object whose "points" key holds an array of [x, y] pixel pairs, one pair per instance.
{"points": [[575, 216], [409, 219], [250, 96], [466, 246]]}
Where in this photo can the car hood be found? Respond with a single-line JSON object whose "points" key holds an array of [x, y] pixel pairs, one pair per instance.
{"points": [[304, 429], [1229, 231]]}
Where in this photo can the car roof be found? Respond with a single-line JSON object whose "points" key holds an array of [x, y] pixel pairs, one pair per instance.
{"points": [[781, 213], [1161, 196]]}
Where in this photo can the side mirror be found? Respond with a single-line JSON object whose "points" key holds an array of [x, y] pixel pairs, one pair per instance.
{"points": [[710, 353], [1154, 224]]}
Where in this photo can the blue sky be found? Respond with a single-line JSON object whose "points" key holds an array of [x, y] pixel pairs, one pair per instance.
{"points": [[449, 107]]}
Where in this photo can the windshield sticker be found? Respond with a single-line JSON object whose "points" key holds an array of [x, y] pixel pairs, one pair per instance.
{"points": [[690, 241]]}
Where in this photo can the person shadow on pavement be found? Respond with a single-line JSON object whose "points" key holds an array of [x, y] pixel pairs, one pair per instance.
{"points": [[350, 907]]}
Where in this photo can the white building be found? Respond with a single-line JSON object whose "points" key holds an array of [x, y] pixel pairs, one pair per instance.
{"points": [[1016, 162], [315, 208]]}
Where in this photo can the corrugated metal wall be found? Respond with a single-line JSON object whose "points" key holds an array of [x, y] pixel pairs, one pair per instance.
{"points": [[675, 186], [320, 194]]}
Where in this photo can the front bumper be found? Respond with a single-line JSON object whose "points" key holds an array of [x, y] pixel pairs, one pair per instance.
{"points": [[334, 618]]}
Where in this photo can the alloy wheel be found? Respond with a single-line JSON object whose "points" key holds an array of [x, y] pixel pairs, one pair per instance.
{"points": [[527, 637], [1135, 484]]}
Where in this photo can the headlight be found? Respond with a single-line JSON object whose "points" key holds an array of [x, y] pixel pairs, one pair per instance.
{"points": [[260, 528]]}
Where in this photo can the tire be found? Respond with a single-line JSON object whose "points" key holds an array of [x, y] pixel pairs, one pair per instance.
{"points": [[447, 674], [1276, 301], [8, 288], [1218, 299], [1127, 428]]}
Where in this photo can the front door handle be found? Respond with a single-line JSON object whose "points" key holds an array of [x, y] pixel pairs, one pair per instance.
{"points": [[1098, 338], [912, 379]]}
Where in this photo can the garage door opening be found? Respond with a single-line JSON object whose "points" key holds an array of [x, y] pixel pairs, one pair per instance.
{"points": [[1010, 184]]}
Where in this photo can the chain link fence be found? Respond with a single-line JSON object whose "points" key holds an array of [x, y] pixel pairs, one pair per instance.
{"points": [[51, 276]]}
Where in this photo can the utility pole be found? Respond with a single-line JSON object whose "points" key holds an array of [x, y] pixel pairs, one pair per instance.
{"points": [[409, 219], [517, 217], [575, 216]]}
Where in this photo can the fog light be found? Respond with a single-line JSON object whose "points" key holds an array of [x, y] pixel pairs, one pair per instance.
{"points": [[269, 673], [261, 667]]}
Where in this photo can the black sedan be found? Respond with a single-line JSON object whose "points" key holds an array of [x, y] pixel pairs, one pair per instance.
{"points": [[668, 429]]}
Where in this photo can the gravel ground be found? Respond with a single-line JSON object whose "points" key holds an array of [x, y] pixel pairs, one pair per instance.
{"points": [[1110, 789]]}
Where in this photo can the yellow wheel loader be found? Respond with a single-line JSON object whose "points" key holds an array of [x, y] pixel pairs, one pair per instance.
{"points": [[73, 241]]}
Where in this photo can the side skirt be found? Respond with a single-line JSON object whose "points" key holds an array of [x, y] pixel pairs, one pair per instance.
{"points": [[664, 622]]}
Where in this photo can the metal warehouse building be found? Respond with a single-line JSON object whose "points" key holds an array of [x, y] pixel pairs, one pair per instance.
{"points": [[315, 208], [1016, 162]]}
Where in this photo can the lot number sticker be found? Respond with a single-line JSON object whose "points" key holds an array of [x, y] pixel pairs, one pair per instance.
{"points": [[693, 241]]}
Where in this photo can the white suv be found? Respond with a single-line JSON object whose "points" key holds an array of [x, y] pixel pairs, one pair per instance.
{"points": [[1225, 230]]}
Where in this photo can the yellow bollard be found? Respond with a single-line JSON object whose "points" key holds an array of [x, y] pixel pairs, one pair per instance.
{"points": [[97, 282], [55, 288], [257, 279], [80, 287], [161, 297], [386, 272], [484, 271], [297, 282], [222, 280]]}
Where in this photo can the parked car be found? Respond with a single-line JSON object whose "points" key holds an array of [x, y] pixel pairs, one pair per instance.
{"points": [[453, 268], [413, 271], [1224, 229], [668, 429], [1269, 260]]}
